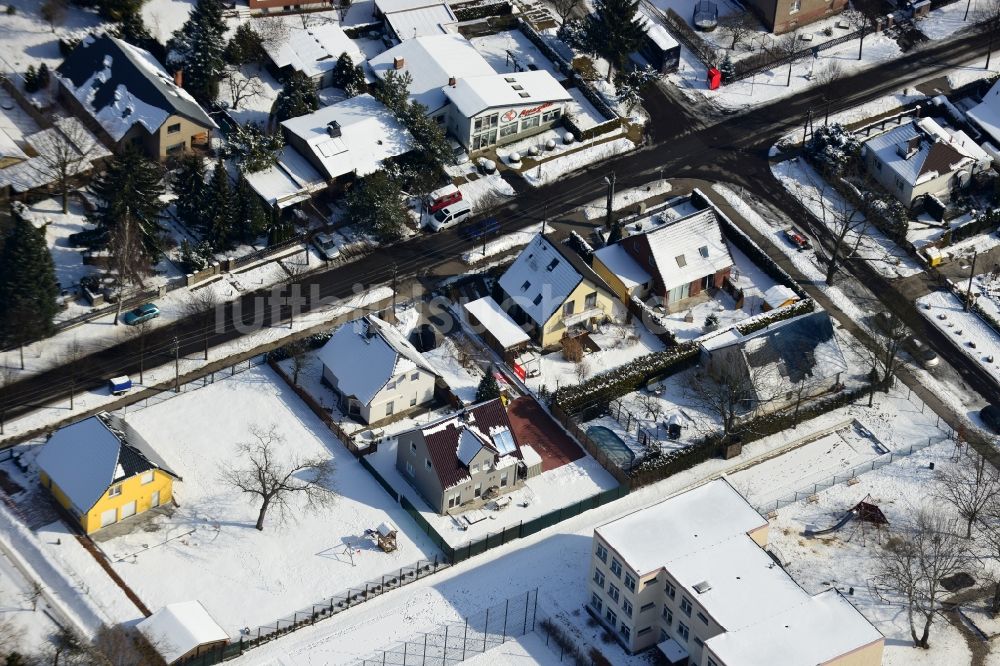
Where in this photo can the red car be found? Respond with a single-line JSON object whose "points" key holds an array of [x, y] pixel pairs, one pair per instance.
{"points": [[797, 239], [442, 198]]}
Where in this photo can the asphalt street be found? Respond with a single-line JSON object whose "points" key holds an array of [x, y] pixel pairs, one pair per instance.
{"points": [[683, 140]]}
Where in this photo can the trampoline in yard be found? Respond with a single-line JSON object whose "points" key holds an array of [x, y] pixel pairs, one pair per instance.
{"points": [[612, 445]]}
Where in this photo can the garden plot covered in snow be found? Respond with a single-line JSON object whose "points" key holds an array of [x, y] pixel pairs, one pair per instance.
{"points": [[511, 51], [207, 548], [26, 38], [829, 208], [967, 330]]}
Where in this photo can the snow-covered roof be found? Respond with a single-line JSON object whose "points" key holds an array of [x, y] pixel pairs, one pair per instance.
{"points": [[778, 295], [922, 150], [530, 456], [369, 134], [314, 50], [37, 171], [469, 444], [421, 21], [655, 30], [9, 148], [815, 631], [391, 6], [499, 324], [540, 279], [474, 95], [685, 250], [618, 261], [694, 521], [291, 180], [121, 85], [432, 61], [366, 353], [719, 340], [178, 628], [986, 114], [85, 458]]}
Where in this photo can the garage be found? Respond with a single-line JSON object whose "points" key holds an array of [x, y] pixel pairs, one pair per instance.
{"points": [[109, 517], [128, 510]]}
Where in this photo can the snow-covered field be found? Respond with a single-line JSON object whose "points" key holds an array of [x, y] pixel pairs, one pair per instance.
{"points": [[163, 17], [966, 330], [511, 50], [208, 543], [460, 380], [31, 623], [826, 204], [584, 114], [557, 167]]}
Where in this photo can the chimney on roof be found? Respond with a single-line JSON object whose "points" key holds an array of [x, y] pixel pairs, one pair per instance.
{"points": [[397, 62], [333, 128], [451, 81], [179, 78]]}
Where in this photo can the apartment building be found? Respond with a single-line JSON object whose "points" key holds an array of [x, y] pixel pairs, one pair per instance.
{"points": [[690, 576]]}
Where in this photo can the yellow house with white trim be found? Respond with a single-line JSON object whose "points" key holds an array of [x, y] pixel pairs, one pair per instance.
{"points": [[101, 471], [551, 290]]}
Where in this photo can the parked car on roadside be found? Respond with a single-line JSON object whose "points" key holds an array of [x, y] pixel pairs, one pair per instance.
{"points": [[449, 217], [442, 198], [141, 314], [327, 246], [481, 229], [798, 240], [923, 354]]}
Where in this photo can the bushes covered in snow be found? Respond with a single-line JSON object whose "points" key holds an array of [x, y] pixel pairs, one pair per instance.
{"points": [[833, 148]]}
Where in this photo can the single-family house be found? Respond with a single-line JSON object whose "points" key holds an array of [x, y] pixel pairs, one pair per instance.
{"points": [[466, 459], [313, 51], [691, 576], [375, 371], [786, 362], [183, 630], [922, 158], [551, 290], [409, 19], [101, 471], [126, 96], [986, 114], [433, 62], [67, 142], [348, 139], [781, 16], [672, 262], [291, 180], [265, 6]]}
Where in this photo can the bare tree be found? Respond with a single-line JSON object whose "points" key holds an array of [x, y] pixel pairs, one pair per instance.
{"points": [[202, 306], [969, 485], [842, 218], [72, 354], [274, 480], [127, 258], [119, 645], [862, 18], [652, 405], [913, 565], [140, 332], [734, 394], [832, 70], [300, 360], [10, 636], [64, 152], [739, 26], [242, 88], [989, 522], [53, 12], [273, 31], [787, 46], [33, 593], [565, 8]]}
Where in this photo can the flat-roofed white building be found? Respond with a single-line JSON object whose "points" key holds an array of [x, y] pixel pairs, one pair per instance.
{"points": [[502, 108], [409, 19], [691, 576]]}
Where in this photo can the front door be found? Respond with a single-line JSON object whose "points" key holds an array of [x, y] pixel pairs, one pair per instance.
{"points": [[109, 517], [154, 501]]}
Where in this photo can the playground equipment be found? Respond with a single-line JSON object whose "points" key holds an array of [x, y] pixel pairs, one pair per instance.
{"points": [[385, 536], [866, 512]]}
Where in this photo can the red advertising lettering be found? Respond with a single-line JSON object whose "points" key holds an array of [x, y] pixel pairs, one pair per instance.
{"points": [[535, 109]]}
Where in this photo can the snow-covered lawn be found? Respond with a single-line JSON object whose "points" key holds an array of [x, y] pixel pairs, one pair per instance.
{"points": [[511, 50], [208, 543], [557, 167], [945, 21], [846, 560], [808, 187], [598, 208], [26, 39], [257, 108], [486, 192], [502, 244], [547, 492], [32, 625], [966, 330], [619, 343], [462, 382], [584, 114], [163, 17]]}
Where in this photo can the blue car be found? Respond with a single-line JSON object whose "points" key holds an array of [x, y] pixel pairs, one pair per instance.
{"points": [[140, 314]]}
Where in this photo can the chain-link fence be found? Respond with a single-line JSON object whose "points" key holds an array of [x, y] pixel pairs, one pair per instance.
{"points": [[455, 642]]}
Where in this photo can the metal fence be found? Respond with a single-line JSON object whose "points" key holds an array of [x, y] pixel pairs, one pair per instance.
{"points": [[263, 253], [455, 642]]}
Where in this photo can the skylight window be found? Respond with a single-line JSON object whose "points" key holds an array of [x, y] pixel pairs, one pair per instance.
{"points": [[509, 79], [681, 260], [523, 95], [552, 265], [504, 441], [703, 251], [524, 287], [518, 87], [538, 299]]}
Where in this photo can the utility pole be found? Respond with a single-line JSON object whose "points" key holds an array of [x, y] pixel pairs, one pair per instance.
{"points": [[968, 5], [972, 272], [545, 216], [394, 290], [805, 127], [177, 365], [610, 180]]}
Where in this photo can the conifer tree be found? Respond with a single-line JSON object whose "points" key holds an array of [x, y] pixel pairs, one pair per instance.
{"points": [[133, 30], [348, 77], [297, 98], [197, 48], [488, 387], [188, 183], [614, 31], [44, 77], [28, 287], [376, 207], [218, 227], [251, 218]]}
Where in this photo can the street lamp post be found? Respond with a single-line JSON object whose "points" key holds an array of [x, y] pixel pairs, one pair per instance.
{"points": [[610, 180], [972, 273]]}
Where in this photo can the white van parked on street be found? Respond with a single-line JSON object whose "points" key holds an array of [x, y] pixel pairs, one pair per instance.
{"points": [[448, 216]]}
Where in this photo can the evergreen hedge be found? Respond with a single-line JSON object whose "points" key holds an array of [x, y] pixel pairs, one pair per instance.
{"points": [[483, 11]]}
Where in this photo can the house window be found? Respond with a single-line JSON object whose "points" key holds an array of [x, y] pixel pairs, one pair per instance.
{"points": [[528, 123], [698, 641], [644, 631], [681, 260], [552, 265], [682, 630], [507, 130], [701, 616], [524, 287], [616, 567], [613, 593], [427, 463], [878, 165], [176, 148], [413, 447], [590, 301], [595, 602], [626, 631], [147, 477], [899, 184], [630, 582], [703, 251], [686, 606], [568, 308], [649, 582], [602, 553], [647, 607], [537, 299], [115, 491], [627, 608], [173, 129], [671, 591], [551, 116], [795, 7], [413, 401], [610, 616], [409, 468], [475, 468], [599, 578], [390, 407], [479, 489], [503, 479], [668, 616]]}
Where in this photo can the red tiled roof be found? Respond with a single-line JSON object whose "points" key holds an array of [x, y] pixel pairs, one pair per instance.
{"points": [[442, 442]]}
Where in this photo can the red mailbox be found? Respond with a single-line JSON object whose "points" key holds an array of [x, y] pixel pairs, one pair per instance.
{"points": [[714, 78]]}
